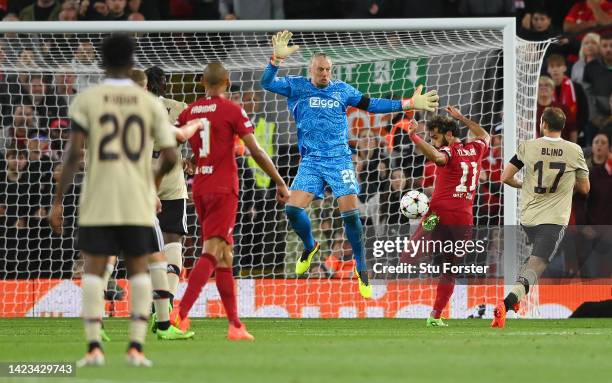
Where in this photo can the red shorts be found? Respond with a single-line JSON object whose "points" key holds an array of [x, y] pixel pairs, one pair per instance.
{"points": [[217, 215], [453, 226]]}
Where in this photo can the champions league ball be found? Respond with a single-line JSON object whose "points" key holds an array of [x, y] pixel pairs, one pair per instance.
{"points": [[414, 204]]}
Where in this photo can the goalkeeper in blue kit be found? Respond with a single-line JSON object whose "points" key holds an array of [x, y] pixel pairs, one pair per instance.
{"points": [[318, 105]]}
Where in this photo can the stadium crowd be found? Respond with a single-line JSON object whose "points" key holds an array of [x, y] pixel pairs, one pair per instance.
{"points": [[576, 76]]}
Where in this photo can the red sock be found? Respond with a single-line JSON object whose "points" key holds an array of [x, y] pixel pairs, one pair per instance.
{"points": [[198, 277], [446, 285], [225, 285]]}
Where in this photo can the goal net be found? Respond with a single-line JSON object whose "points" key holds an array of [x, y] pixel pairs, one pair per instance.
{"points": [[41, 72]]}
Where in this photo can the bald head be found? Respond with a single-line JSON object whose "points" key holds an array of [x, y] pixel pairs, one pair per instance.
{"points": [[215, 75]]}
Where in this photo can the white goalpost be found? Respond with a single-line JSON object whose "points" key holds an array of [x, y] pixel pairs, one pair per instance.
{"points": [[477, 64]]}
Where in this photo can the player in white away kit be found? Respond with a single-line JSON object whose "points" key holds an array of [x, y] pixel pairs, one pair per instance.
{"points": [[117, 121], [553, 169], [158, 261]]}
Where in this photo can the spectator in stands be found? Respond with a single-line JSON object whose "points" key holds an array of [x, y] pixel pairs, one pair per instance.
{"points": [[486, 8], [46, 104], [540, 26], [206, 9], [41, 10], [340, 263], [117, 10], [546, 98], [24, 124], [390, 212], [12, 214], [569, 94], [556, 9], [64, 82], [587, 15], [599, 209], [598, 82], [11, 171], [589, 51], [58, 135], [152, 9], [85, 62], [371, 170], [252, 10], [69, 11], [604, 123], [136, 16]]}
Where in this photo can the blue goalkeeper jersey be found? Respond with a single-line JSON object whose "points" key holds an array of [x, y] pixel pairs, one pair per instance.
{"points": [[320, 113]]}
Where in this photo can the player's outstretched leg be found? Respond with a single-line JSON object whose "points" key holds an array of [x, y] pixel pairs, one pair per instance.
{"points": [[354, 232], [528, 276], [300, 222], [198, 277], [93, 309], [446, 285]]}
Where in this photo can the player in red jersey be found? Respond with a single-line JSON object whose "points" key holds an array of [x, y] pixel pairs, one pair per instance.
{"points": [[457, 172], [215, 192]]}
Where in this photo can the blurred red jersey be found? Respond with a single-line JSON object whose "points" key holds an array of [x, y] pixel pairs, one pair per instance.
{"points": [[213, 146], [457, 180]]}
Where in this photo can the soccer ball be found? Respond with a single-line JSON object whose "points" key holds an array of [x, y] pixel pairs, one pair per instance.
{"points": [[414, 204]]}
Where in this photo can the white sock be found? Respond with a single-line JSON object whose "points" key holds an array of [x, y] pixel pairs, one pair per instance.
{"points": [[92, 306], [141, 295]]}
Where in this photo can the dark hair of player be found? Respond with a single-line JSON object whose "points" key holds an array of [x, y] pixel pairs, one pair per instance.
{"points": [[554, 118], [118, 51], [443, 124], [156, 80], [606, 36], [215, 74]]}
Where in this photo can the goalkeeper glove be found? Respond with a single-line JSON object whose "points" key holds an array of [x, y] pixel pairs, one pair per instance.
{"points": [[427, 101], [281, 50]]}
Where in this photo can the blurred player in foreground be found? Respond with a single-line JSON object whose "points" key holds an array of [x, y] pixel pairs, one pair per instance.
{"points": [[450, 215], [318, 105], [553, 169], [158, 261], [215, 193], [118, 122]]}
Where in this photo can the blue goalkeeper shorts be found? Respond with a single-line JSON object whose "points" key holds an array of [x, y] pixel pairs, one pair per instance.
{"points": [[316, 172]]}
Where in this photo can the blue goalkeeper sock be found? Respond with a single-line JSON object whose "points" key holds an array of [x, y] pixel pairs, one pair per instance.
{"points": [[354, 233], [298, 218]]}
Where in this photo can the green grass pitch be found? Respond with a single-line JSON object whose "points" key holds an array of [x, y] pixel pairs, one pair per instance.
{"points": [[336, 350]]}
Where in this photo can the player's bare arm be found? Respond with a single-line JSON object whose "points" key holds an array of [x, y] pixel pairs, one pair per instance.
{"points": [[509, 176], [583, 185], [266, 164], [71, 164], [168, 158], [477, 131], [427, 149], [185, 132]]}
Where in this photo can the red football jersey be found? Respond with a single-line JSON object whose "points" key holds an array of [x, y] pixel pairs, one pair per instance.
{"points": [[213, 146], [457, 180]]}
